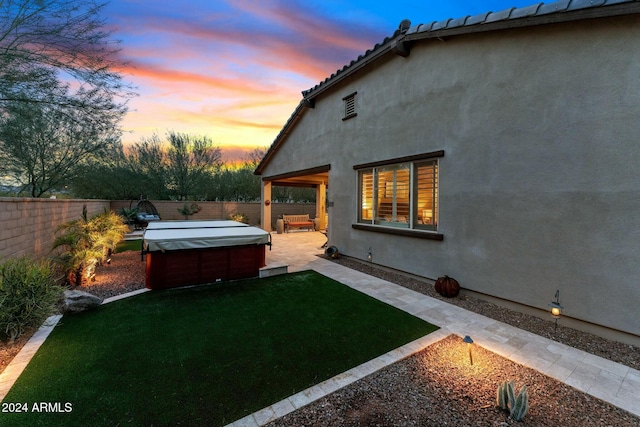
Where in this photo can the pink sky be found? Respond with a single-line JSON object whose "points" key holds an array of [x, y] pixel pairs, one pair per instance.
{"points": [[234, 70]]}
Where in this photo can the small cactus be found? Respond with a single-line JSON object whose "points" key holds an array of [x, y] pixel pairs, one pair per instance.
{"points": [[518, 406], [502, 397]]}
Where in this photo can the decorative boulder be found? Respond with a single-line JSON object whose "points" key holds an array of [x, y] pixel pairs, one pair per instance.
{"points": [[76, 301], [447, 287]]}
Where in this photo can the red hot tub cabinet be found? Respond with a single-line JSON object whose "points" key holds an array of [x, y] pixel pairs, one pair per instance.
{"points": [[202, 253]]}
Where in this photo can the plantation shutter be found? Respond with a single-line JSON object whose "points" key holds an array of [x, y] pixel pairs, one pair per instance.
{"points": [[366, 196], [426, 206]]}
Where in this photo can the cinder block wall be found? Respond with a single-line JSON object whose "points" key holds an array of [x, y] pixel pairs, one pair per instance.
{"points": [[27, 225], [168, 210]]}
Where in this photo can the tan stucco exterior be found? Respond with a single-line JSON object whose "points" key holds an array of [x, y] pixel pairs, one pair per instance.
{"points": [[539, 187]]}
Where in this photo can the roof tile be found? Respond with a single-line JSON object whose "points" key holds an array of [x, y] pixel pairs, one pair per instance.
{"points": [[558, 6], [583, 4], [460, 22], [523, 12], [440, 25], [499, 16], [477, 19]]}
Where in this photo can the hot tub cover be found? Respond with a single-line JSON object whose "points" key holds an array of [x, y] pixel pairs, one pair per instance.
{"points": [[172, 239], [195, 224]]}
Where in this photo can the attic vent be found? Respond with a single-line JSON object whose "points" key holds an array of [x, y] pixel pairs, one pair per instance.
{"points": [[349, 106]]}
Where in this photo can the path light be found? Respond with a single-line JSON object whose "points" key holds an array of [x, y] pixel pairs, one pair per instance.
{"points": [[556, 309], [469, 341], [370, 255]]}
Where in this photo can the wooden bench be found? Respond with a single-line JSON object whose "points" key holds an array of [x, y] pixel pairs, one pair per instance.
{"points": [[297, 221]]}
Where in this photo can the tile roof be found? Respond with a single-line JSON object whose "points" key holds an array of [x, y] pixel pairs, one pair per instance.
{"points": [[535, 14], [400, 41]]}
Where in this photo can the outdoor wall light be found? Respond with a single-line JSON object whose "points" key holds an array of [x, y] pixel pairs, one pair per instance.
{"points": [[556, 308], [469, 341]]}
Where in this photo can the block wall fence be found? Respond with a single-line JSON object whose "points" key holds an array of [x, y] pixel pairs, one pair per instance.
{"points": [[27, 225]]}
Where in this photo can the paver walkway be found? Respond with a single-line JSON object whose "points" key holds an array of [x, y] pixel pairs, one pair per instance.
{"points": [[601, 378], [612, 382]]}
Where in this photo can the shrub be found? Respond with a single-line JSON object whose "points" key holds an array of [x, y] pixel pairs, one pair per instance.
{"points": [[28, 295], [187, 210], [240, 217], [87, 242]]}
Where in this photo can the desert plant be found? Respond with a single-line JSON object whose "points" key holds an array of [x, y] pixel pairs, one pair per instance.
{"points": [[128, 214], [502, 395], [86, 243], [28, 295], [518, 406], [240, 217], [187, 210], [106, 230]]}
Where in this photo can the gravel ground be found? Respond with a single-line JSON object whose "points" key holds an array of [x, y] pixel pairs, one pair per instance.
{"points": [[436, 386], [439, 387], [613, 350]]}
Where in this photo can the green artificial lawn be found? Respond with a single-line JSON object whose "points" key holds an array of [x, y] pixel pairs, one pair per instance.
{"points": [[204, 356], [129, 245]]}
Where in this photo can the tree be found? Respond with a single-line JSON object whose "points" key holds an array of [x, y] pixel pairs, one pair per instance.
{"points": [[45, 40], [41, 145], [190, 163], [61, 95]]}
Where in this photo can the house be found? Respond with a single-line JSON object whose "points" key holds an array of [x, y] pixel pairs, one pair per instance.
{"points": [[501, 149]]}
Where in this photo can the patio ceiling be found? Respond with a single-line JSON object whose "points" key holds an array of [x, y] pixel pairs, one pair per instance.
{"points": [[305, 178]]}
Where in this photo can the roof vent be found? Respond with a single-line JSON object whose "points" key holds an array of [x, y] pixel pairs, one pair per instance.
{"points": [[405, 24]]}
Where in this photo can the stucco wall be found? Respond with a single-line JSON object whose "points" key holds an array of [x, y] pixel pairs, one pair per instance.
{"points": [[27, 226], [539, 185]]}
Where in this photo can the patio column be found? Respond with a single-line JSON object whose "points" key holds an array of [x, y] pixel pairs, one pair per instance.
{"points": [[321, 205], [265, 206]]}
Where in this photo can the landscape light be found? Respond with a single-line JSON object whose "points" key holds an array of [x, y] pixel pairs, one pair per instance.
{"points": [[556, 309], [469, 341]]}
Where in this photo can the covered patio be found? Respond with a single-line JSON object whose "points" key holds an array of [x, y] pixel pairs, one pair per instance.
{"points": [[317, 178]]}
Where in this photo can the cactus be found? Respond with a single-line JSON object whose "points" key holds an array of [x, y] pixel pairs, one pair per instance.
{"points": [[502, 397], [518, 406]]}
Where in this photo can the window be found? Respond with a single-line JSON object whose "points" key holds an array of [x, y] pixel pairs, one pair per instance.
{"points": [[349, 106], [402, 195]]}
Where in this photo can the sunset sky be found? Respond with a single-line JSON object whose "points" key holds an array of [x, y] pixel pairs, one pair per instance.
{"points": [[234, 70]]}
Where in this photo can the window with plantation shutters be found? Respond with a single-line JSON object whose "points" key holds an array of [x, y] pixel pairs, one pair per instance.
{"points": [[399, 195]]}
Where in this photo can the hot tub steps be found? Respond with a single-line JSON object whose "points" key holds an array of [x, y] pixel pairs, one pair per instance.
{"points": [[273, 270]]}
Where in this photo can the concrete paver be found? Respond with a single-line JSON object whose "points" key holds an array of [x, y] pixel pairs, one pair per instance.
{"points": [[601, 378]]}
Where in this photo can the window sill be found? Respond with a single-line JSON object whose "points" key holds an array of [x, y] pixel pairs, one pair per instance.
{"points": [[429, 235], [350, 116]]}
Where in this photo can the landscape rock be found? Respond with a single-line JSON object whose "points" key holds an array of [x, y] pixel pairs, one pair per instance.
{"points": [[76, 301]]}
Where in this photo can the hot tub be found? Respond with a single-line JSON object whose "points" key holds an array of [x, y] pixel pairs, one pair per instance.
{"points": [[182, 253]]}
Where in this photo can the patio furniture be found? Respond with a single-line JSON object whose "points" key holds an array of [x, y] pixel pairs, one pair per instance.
{"points": [[297, 221], [146, 213]]}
